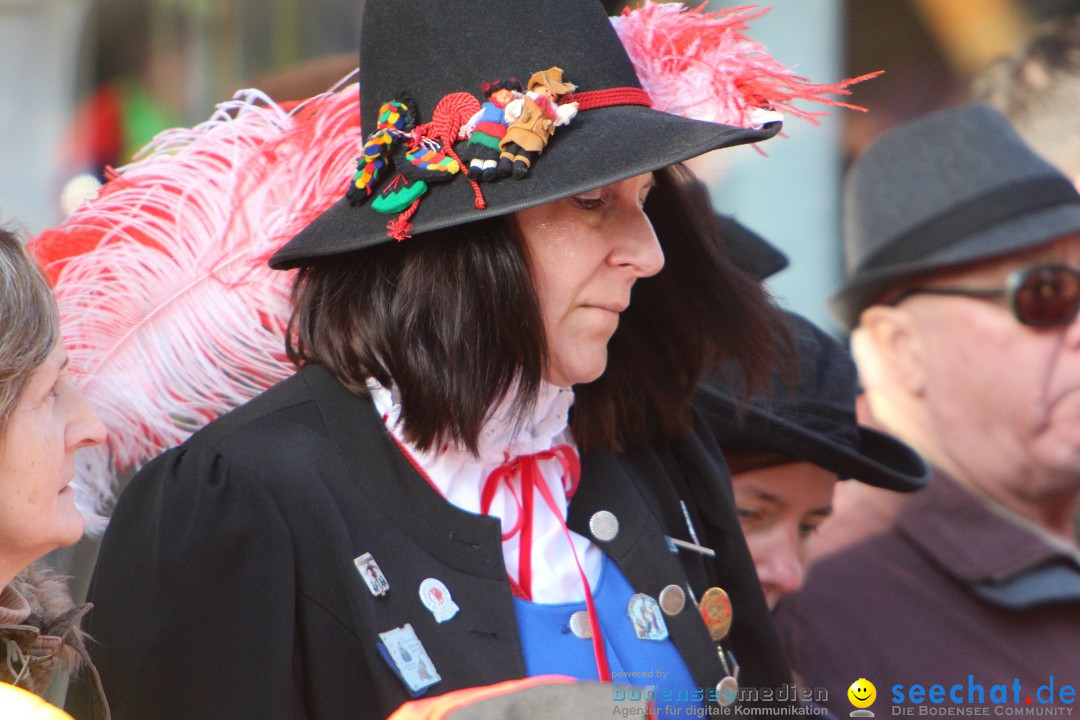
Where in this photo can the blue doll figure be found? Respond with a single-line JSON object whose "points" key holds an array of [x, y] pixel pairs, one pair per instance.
{"points": [[485, 129]]}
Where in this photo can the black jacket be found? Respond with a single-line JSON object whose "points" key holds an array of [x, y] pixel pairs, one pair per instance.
{"points": [[226, 588]]}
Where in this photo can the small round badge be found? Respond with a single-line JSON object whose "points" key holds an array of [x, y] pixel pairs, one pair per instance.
{"points": [[604, 526], [672, 600], [727, 691], [579, 625], [716, 612], [436, 598]]}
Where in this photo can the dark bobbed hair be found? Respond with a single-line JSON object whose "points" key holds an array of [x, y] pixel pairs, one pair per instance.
{"points": [[452, 318]]}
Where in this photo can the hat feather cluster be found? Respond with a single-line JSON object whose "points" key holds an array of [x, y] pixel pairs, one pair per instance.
{"points": [[703, 66]]}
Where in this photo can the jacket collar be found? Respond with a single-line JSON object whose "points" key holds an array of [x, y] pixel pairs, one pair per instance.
{"points": [[396, 489], [1004, 562], [419, 512]]}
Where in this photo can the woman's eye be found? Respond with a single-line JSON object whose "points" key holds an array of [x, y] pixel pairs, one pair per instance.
{"points": [[589, 202], [807, 529], [749, 515]]}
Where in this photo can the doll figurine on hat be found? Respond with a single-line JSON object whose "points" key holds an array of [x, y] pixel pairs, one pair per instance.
{"points": [[532, 121], [396, 119], [486, 129]]}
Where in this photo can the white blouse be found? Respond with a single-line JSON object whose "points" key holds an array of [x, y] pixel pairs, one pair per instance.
{"points": [[460, 477]]}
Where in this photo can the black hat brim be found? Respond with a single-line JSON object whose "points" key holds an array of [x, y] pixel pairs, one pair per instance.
{"points": [[623, 141], [875, 458], [750, 252]]}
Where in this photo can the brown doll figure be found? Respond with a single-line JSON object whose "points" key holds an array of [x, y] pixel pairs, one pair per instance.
{"points": [[532, 120]]}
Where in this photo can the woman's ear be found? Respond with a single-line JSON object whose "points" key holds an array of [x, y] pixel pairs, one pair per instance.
{"points": [[897, 346]]}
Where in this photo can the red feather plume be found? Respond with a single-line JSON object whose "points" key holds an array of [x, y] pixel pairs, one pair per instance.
{"points": [[702, 65]]}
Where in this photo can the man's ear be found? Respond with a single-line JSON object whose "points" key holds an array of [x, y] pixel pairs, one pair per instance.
{"points": [[898, 345]]}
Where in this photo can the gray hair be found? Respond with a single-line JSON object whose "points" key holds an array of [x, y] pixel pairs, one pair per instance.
{"points": [[29, 322]]}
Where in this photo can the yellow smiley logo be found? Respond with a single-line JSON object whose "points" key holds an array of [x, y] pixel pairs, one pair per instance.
{"points": [[862, 693]]}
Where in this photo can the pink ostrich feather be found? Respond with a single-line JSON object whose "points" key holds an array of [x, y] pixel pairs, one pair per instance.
{"points": [[169, 311], [701, 65]]}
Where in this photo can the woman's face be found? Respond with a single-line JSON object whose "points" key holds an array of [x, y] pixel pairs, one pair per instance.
{"points": [[779, 508], [51, 420], [585, 253]]}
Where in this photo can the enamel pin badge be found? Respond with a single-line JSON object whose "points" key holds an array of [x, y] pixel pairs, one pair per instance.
{"points": [[436, 598], [406, 656], [373, 576], [716, 612], [648, 621]]}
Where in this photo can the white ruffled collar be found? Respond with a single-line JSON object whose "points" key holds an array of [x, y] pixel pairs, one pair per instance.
{"points": [[501, 437], [459, 477]]}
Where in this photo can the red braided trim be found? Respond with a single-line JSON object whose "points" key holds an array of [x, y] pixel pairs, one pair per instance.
{"points": [[400, 228], [592, 99], [478, 194]]}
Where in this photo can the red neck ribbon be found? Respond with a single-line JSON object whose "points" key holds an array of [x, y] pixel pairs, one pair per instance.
{"points": [[527, 469]]}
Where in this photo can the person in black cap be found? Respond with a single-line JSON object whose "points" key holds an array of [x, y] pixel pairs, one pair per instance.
{"points": [[417, 510], [963, 255], [787, 448]]}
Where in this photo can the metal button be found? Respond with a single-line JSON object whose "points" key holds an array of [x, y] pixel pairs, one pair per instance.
{"points": [[672, 600], [579, 625], [727, 691], [604, 526]]}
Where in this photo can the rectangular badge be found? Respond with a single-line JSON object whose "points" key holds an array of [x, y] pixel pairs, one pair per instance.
{"points": [[373, 576], [406, 656]]}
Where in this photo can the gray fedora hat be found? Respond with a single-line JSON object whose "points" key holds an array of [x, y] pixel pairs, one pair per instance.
{"points": [[812, 421], [945, 190]]}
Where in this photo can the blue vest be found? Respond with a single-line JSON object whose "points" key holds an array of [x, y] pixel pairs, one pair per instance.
{"points": [[550, 647]]}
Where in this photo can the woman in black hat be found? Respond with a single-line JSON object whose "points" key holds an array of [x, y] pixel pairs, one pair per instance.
{"points": [[487, 466], [787, 449]]}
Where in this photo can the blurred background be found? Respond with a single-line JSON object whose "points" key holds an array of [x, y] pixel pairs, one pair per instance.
{"points": [[85, 83]]}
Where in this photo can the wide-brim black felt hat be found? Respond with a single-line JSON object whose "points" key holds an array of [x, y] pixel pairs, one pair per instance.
{"points": [[945, 190], [814, 420], [434, 48], [750, 252]]}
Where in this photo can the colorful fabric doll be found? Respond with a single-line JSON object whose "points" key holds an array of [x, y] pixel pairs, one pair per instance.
{"points": [[532, 121], [485, 129], [397, 119]]}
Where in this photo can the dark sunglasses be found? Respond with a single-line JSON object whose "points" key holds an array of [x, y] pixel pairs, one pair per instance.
{"points": [[1040, 296]]}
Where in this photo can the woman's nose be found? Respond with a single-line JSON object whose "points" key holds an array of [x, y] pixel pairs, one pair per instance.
{"points": [[780, 568], [86, 428], [637, 246]]}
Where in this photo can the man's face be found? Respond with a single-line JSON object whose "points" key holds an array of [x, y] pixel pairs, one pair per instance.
{"points": [[1004, 397]]}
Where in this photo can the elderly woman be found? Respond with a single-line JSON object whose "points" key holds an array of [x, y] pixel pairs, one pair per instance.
{"points": [[43, 421], [487, 467]]}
